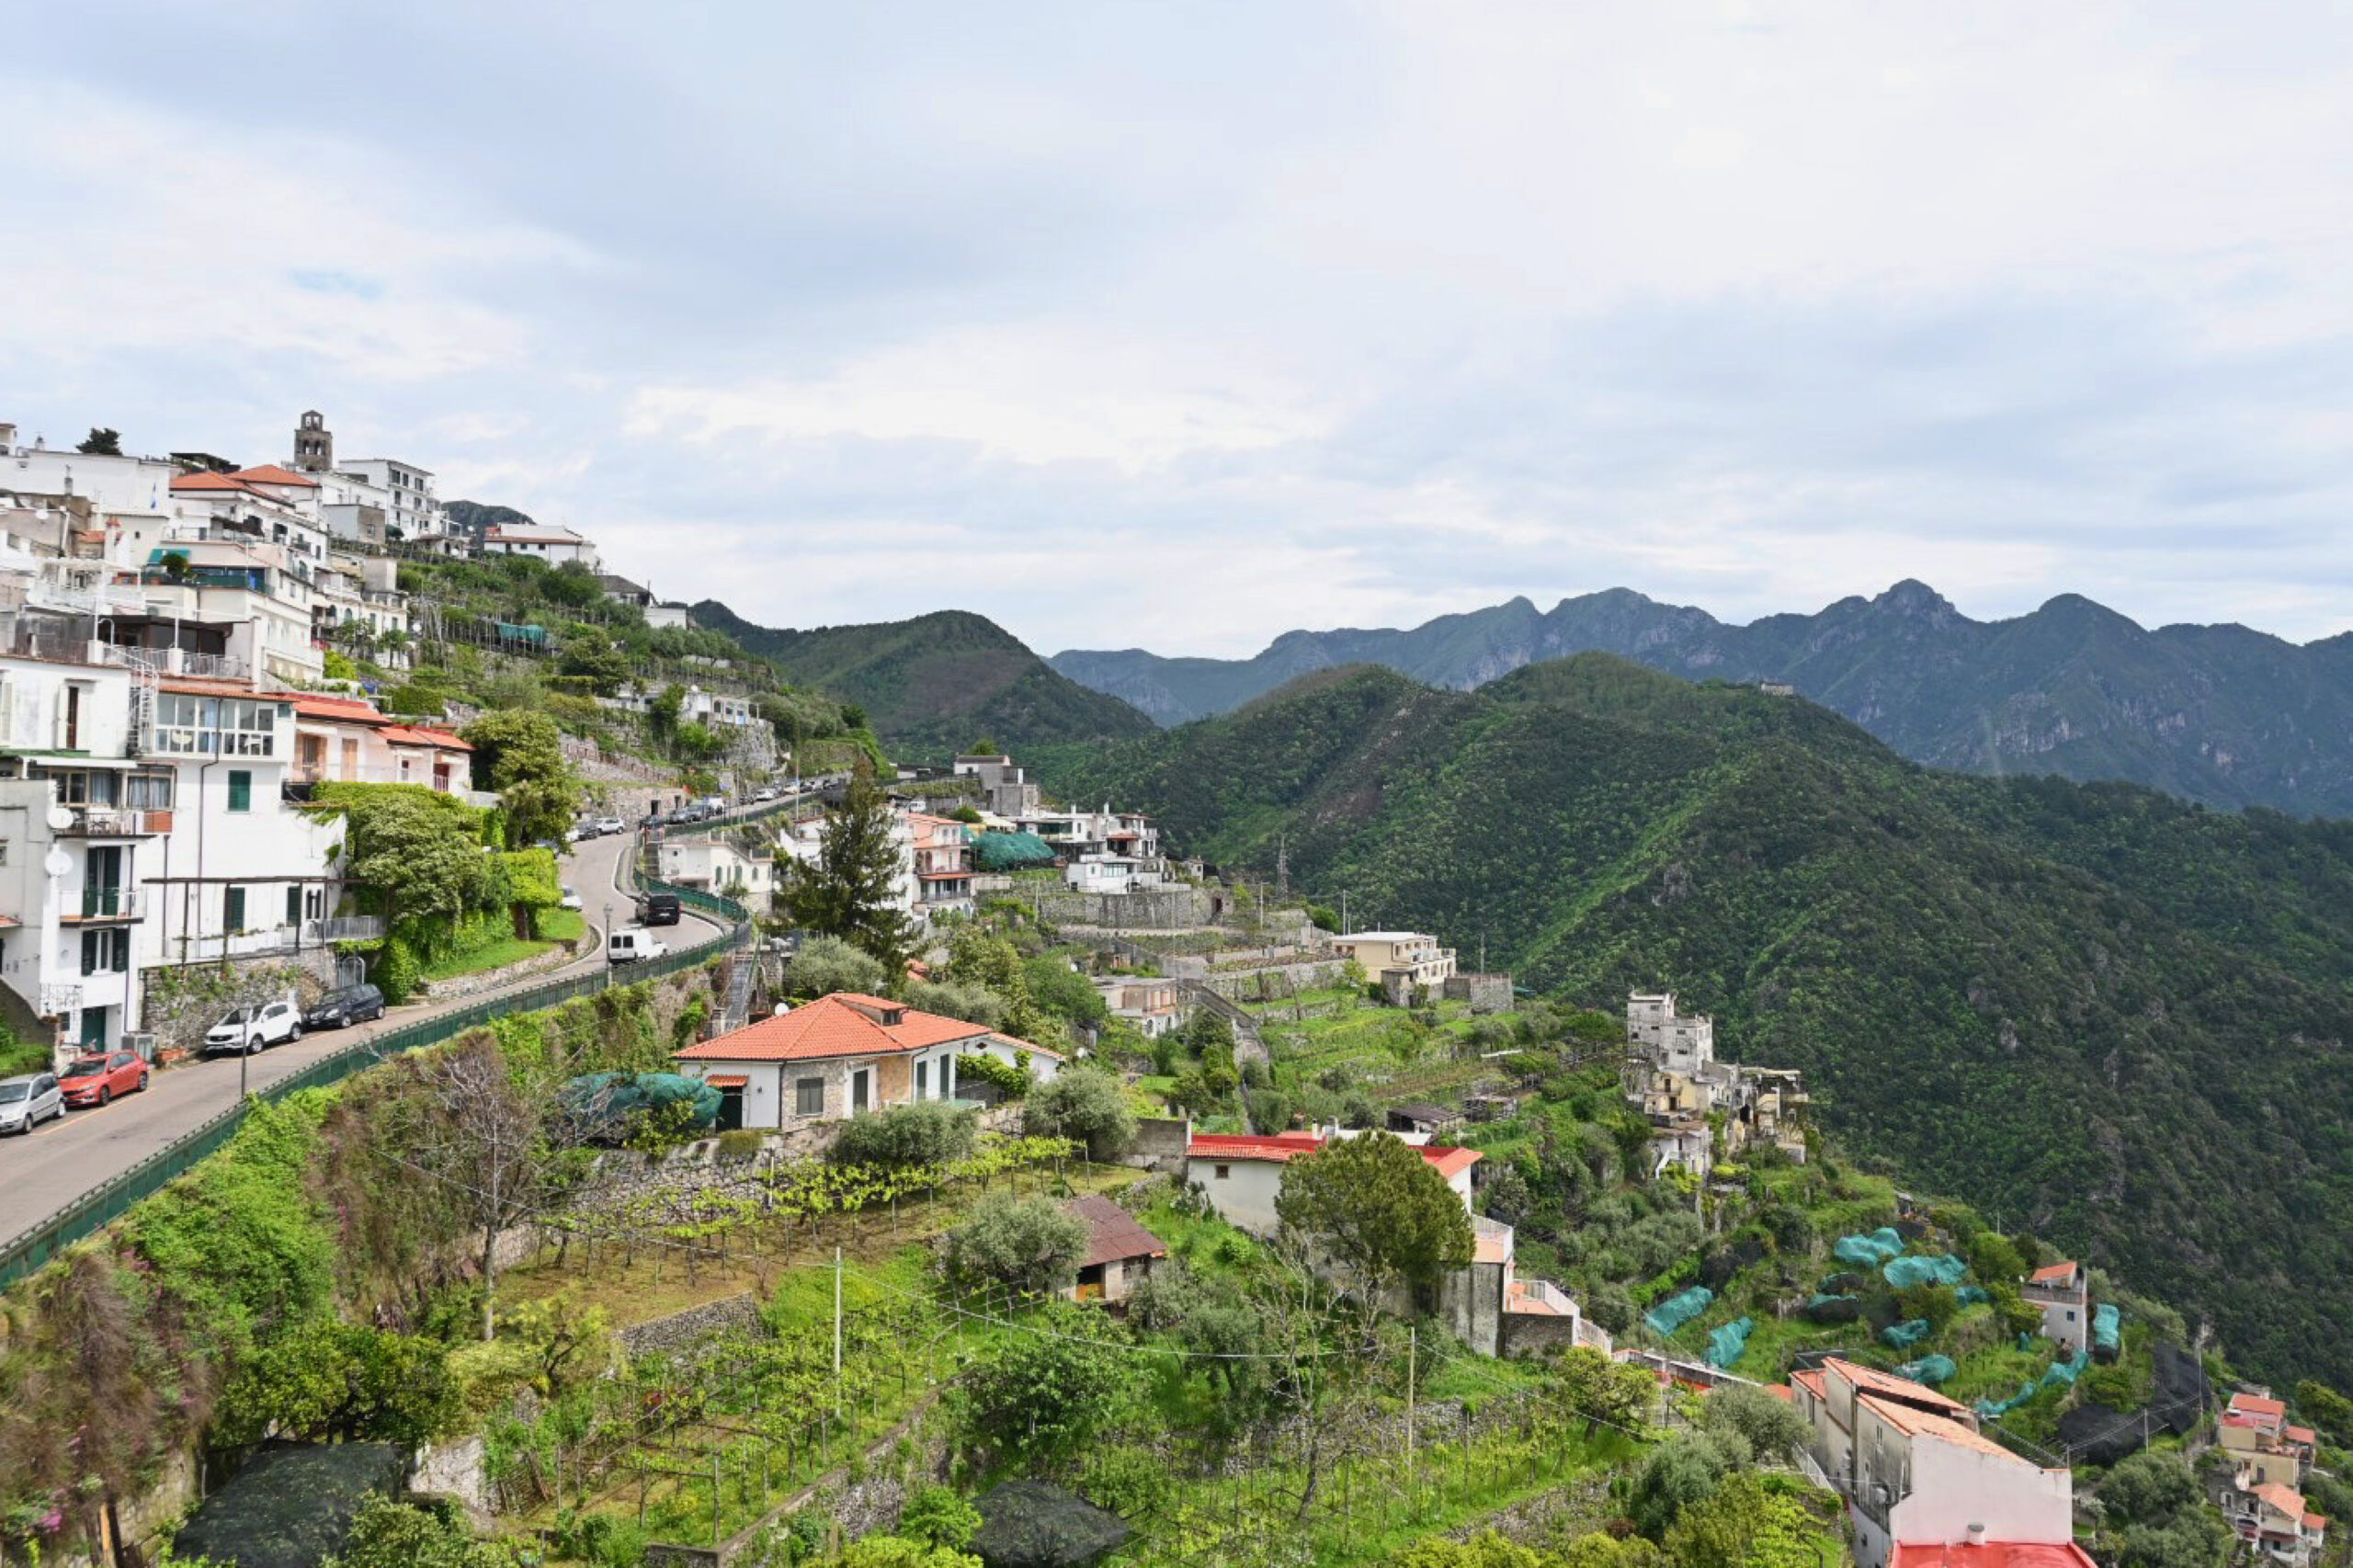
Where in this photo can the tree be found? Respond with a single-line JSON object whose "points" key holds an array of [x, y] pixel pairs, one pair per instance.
{"points": [[1743, 1524], [591, 657], [1041, 1392], [1082, 1103], [1029, 1245], [332, 1381], [1598, 1388], [101, 442], [2149, 1487], [519, 753], [419, 848], [1064, 991], [1485, 1549], [926, 1133], [1380, 1209], [387, 1534], [2327, 1409], [1773, 1427], [852, 889], [938, 1516], [1680, 1474], [827, 964]]}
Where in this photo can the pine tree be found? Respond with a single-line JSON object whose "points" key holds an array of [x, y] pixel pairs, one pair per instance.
{"points": [[851, 889]]}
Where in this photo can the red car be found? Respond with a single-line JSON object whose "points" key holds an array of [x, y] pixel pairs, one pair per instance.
{"points": [[93, 1080]]}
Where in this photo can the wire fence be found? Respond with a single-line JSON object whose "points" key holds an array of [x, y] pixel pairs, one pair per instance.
{"points": [[106, 1203]]}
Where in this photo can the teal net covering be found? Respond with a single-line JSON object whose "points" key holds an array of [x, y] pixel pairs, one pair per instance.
{"points": [[1676, 1311], [1905, 1272], [1726, 1344], [1928, 1369], [1903, 1335], [1869, 1251]]}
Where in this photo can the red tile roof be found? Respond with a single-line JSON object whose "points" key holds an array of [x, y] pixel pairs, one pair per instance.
{"points": [[2285, 1499], [1812, 1380], [2054, 1274], [2255, 1404], [1281, 1146], [1867, 1380], [270, 474], [208, 479], [1920, 1423], [1781, 1392], [200, 685], [440, 739], [2303, 1435], [728, 1080], [1990, 1554], [349, 709], [1112, 1233], [844, 1024]]}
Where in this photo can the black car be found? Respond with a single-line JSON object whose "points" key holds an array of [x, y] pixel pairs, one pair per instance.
{"points": [[345, 1005], [658, 909]]}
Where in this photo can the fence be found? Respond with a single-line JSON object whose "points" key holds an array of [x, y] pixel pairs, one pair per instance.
{"points": [[105, 1202]]}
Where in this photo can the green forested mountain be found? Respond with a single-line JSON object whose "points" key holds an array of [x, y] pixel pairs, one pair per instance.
{"points": [[2213, 713], [938, 683], [2093, 1011]]}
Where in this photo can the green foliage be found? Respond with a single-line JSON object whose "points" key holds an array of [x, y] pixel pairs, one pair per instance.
{"points": [[519, 754], [1380, 1209], [402, 1535], [1085, 1104], [927, 1132], [1485, 1549], [827, 964], [102, 441], [1061, 991], [1745, 1524], [1010, 1082], [335, 1381], [2155, 1516], [417, 847], [969, 1003], [1038, 1394], [336, 665], [2327, 1410], [1770, 1426], [897, 1551], [1940, 954], [938, 1516], [850, 890], [1024, 1244], [1681, 1474]]}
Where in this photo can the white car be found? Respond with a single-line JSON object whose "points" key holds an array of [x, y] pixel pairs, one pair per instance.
{"points": [[571, 900], [249, 1030], [611, 824], [28, 1101]]}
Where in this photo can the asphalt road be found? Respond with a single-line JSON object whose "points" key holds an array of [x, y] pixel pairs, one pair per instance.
{"points": [[42, 1172]]}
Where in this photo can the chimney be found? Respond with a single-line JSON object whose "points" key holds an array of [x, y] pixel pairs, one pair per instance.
{"points": [[1977, 1533]]}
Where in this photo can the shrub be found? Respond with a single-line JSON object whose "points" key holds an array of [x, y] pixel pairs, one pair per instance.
{"points": [[1035, 1396], [1029, 1244], [827, 964], [1011, 1082], [928, 1132]]}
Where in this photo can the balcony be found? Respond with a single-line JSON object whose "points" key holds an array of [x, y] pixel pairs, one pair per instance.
{"points": [[344, 929], [101, 904], [108, 821]]}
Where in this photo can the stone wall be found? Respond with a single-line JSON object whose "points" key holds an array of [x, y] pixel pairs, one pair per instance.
{"points": [[692, 1326], [1160, 1144], [1242, 984], [474, 984], [1486, 993], [1532, 1334], [1152, 909]]}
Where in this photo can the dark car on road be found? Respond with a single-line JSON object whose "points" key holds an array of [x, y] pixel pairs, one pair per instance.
{"points": [[658, 909], [95, 1079], [342, 1006]]}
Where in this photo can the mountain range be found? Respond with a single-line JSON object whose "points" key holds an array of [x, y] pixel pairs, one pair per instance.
{"points": [[934, 684], [2217, 714], [2096, 1012]]}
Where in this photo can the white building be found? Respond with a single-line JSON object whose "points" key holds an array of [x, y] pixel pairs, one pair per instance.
{"points": [[714, 865], [668, 612], [403, 491], [542, 541], [1414, 957], [1113, 874]]}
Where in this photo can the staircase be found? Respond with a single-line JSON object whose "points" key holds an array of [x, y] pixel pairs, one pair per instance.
{"points": [[143, 672], [741, 968]]}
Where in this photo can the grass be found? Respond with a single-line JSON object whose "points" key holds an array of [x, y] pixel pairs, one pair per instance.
{"points": [[489, 955], [563, 925]]}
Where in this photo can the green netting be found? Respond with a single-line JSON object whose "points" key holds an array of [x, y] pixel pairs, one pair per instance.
{"points": [[2062, 1374], [1676, 1311], [2107, 1325], [1822, 1298], [604, 1098], [1928, 1369], [1972, 1295], [1903, 1335], [292, 1504], [1869, 1251], [1905, 1272], [1726, 1344], [1004, 851]]}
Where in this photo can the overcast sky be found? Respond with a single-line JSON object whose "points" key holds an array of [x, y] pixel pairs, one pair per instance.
{"points": [[1180, 325]]}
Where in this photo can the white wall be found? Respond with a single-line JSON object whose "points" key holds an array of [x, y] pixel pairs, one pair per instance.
{"points": [[1954, 1487], [1245, 1196]]}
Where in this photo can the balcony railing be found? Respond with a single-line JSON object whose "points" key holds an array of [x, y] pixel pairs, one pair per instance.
{"points": [[344, 929], [104, 904], [108, 822]]}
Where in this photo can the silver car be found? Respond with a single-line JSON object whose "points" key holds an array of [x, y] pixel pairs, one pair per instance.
{"points": [[28, 1100]]}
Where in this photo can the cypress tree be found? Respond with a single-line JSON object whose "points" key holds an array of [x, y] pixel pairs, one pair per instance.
{"points": [[851, 889]]}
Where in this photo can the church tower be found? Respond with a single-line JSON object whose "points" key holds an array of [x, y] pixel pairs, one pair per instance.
{"points": [[313, 444]]}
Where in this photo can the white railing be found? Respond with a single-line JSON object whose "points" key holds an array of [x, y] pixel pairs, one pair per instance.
{"points": [[1542, 1295], [344, 929]]}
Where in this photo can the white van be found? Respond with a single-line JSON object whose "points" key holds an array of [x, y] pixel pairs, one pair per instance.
{"points": [[630, 945]]}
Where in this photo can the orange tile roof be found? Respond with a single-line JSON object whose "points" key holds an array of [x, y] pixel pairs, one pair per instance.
{"points": [[728, 1080], [440, 739], [2300, 1434], [1814, 1381], [1991, 1554], [2255, 1404], [1781, 1392], [2053, 1273], [208, 479], [344, 708], [2284, 1498], [270, 474], [1925, 1423], [1281, 1146], [1868, 1380], [844, 1024]]}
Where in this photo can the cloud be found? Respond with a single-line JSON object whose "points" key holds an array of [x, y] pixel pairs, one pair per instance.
{"points": [[1183, 326]]}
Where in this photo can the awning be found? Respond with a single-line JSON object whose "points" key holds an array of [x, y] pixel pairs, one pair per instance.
{"points": [[728, 1080]]}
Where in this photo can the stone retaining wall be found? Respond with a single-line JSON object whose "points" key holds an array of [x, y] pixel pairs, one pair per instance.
{"points": [[692, 1326], [1160, 1145]]}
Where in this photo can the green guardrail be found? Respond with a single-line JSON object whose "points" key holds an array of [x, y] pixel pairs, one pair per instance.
{"points": [[104, 1204]]}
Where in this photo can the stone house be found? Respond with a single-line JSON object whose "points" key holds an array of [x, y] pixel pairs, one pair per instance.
{"points": [[1119, 1251], [2062, 1292]]}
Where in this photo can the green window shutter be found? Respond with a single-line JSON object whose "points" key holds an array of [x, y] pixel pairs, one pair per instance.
{"points": [[294, 904], [234, 903], [241, 790]]}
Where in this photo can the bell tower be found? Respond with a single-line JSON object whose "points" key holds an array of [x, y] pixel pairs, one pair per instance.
{"points": [[313, 444]]}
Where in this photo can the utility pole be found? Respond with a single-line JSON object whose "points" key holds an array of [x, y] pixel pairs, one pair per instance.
{"points": [[1282, 864], [1413, 1350], [837, 1333], [1344, 911]]}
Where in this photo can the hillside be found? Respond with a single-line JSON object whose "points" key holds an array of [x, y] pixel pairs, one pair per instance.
{"points": [[936, 684], [2090, 1010], [2213, 713]]}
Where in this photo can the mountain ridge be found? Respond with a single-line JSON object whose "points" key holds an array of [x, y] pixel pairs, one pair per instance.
{"points": [[2221, 714]]}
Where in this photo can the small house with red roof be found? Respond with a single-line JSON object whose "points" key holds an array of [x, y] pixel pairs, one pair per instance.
{"points": [[2062, 1292], [2273, 1517], [2256, 1432], [1119, 1251], [842, 1054], [343, 740]]}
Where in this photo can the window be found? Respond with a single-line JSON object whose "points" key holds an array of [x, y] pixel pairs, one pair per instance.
{"points": [[241, 790], [216, 726], [1221, 1172], [923, 1079], [809, 1097], [148, 792], [106, 952], [294, 905], [232, 905]]}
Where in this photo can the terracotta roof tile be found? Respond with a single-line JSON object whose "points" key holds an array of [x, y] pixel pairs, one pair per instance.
{"points": [[844, 1024], [1282, 1146], [1112, 1233], [1924, 1423], [2255, 1404], [2054, 1274], [1867, 1380], [408, 735], [349, 708], [2284, 1498], [270, 474], [208, 479]]}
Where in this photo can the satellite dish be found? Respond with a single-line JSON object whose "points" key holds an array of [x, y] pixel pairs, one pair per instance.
{"points": [[59, 819], [59, 864]]}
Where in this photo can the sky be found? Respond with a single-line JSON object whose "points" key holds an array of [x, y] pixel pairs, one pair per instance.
{"points": [[1180, 325]]}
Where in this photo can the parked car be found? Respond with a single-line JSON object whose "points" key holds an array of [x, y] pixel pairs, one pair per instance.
{"points": [[30, 1099], [249, 1030], [766, 792], [99, 1077], [658, 909], [570, 900], [345, 1005], [611, 824], [579, 831], [631, 947]]}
